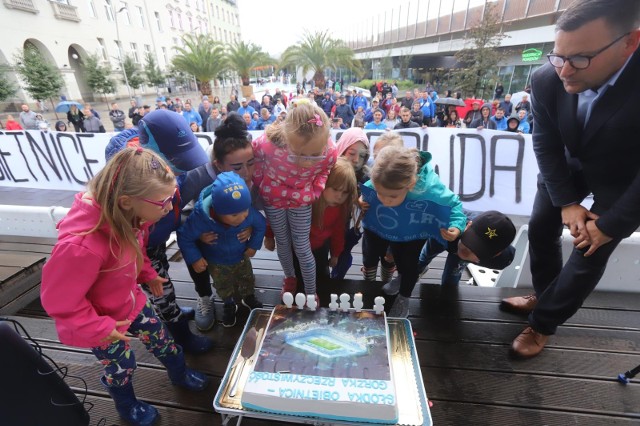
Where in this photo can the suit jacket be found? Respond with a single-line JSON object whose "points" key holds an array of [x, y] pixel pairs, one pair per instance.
{"points": [[606, 152]]}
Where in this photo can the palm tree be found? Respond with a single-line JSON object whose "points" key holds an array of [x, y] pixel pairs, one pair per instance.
{"points": [[202, 57], [243, 57], [318, 52]]}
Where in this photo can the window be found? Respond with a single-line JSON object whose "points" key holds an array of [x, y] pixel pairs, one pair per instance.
{"points": [[179, 20], [140, 14], [226, 37], [147, 49], [173, 19], [164, 54], [118, 49], [124, 9], [102, 50], [217, 12], [158, 24], [190, 24], [134, 52], [92, 9], [108, 10]]}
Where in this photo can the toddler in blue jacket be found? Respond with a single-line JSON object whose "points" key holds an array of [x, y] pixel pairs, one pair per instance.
{"points": [[225, 208]]}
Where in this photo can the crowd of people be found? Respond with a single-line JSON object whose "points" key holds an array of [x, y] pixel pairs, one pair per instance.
{"points": [[297, 191]]}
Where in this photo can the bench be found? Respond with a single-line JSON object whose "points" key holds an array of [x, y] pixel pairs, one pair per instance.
{"points": [[622, 273]]}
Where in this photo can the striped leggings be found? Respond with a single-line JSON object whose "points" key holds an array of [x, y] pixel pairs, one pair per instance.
{"points": [[291, 228]]}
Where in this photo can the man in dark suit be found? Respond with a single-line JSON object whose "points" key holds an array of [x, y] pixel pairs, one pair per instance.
{"points": [[586, 140]]}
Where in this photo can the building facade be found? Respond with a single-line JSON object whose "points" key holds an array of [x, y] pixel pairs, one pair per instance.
{"points": [[66, 31], [428, 33]]}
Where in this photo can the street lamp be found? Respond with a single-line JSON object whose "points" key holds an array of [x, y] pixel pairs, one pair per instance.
{"points": [[115, 18]]}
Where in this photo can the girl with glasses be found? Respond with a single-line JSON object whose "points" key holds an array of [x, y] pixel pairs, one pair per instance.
{"points": [[294, 158], [90, 283]]}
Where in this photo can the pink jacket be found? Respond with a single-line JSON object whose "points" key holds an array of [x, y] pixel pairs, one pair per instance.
{"points": [[284, 184], [85, 287]]}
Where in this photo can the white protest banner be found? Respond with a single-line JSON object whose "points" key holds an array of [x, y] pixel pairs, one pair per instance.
{"points": [[487, 169]]}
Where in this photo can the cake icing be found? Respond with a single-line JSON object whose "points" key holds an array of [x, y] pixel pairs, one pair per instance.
{"points": [[325, 364]]}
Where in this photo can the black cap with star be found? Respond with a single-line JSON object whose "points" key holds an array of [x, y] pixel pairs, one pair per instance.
{"points": [[490, 233]]}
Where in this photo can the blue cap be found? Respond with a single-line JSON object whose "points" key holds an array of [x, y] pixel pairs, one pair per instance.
{"points": [[168, 134], [229, 194]]}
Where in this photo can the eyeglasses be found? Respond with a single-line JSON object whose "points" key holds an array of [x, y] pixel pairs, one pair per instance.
{"points": [[579, 62], [162, 204], [295, 158]]}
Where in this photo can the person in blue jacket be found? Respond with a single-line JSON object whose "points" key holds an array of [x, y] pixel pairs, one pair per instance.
{"points": [[225, 208]]}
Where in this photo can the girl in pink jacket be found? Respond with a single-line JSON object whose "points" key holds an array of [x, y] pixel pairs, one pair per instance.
{"points": [[293, 162], [89, 284]]}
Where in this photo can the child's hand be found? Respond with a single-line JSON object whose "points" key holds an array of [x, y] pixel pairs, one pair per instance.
{"points": [[388, 256], [115, 335], [155, 285], [333, 261], [209, 237], [245, 234], [450, 234], [364, 206], [250, 252], [199, 265], [270, 243]]}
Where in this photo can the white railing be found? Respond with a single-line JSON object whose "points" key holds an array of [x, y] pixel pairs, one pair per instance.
{"points": [[65, 11], [26, 5], [30, 221]]}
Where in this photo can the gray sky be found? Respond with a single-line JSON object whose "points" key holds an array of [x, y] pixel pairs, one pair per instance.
{"points": [[277, 24]]}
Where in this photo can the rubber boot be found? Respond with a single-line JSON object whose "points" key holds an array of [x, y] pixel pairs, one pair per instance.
{"points": [[134, 411], [182, 376], [191, 343], [386, 272], [369, 274]]}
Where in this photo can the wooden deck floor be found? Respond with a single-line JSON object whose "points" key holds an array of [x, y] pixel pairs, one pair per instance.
{"points": [[462, 341]]}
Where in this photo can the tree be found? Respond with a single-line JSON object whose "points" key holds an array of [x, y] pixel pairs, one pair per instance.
{"points": [[243, 57], [133, 72], [42, 80], [480, 59], [386, 66], [318, 52], [202, 57], [7, 89], [404, 60], [98, 76], [152, 71]]}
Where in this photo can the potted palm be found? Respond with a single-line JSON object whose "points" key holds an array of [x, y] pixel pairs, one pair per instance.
{"points": [[242, 58], [202, 57]]}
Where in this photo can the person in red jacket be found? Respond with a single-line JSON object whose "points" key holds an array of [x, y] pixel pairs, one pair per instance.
{"points": [[12, 124], [329, 217]]}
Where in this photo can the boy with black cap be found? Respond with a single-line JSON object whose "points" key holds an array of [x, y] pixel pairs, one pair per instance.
{"points": [[225, 208], [485, 242]]}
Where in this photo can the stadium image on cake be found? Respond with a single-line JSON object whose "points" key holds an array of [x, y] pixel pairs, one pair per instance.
{"points": [[325, 364]]}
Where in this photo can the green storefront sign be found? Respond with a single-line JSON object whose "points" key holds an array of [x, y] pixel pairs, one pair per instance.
{"points": [[532, 54]]}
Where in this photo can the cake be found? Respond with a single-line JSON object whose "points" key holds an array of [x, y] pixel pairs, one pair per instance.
{"points": [[324, 364]]}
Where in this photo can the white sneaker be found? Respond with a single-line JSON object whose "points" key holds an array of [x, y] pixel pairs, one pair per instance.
{"points": [[205, 313], [392, 287]]}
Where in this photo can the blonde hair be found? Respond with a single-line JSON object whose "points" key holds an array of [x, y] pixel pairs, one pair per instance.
{"points": [[133, 172], [387, 139], [395, 167], [305, 120], [341, 178]]}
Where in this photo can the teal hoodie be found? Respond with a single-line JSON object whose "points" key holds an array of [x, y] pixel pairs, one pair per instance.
{"points": [[429, 188]]}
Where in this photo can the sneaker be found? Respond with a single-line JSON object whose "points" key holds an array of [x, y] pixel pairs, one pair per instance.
{"points": [[400, 308], [229, 314], [205, 313], [251, 302], [392, 287]]}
